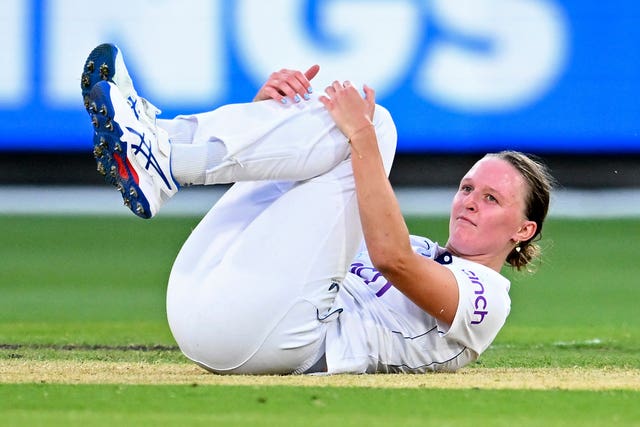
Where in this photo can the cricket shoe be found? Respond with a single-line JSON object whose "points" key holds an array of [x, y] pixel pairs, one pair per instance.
{"points": [[106, 62], [131, 155]]}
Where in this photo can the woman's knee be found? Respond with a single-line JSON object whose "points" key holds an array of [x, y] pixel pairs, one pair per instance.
{"points": [[387, 135]]}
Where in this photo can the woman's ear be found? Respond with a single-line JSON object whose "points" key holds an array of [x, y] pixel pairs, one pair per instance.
{"points": [[526, 231]]}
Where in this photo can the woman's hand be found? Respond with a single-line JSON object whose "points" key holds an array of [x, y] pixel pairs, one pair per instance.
{"points": [[348, 109], [288, 85]]}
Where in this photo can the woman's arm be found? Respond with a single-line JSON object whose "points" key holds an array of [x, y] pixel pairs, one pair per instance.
{"points": [[428, 284]]}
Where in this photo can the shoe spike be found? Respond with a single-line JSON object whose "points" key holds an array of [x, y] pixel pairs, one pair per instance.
{"points": [[101, 169], [104, 72], [127, 203], [139, 209], [103, 110], [90, 66], [97, 152], [86, 81], [109, 125], [94, 120], [133, 193]]}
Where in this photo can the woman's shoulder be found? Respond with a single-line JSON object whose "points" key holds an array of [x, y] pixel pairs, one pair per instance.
{"points": [[424, 246], [476, 272]]}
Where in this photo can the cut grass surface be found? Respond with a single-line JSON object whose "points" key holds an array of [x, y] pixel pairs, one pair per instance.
{"points": [[92, 290], [108, 405], [119, 372], [102, 280], [558, 355]]}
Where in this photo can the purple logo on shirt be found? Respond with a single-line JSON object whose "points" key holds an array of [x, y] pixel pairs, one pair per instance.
{"points": [[480, 303], [371, 277]]}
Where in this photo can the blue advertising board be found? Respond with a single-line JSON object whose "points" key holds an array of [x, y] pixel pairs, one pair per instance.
{"points": [[543, 76]]}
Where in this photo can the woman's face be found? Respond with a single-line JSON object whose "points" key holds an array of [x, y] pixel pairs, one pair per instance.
{"points": [[488, 213]]}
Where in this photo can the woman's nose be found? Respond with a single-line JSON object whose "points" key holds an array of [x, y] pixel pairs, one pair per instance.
{"points": [[470, 203]]}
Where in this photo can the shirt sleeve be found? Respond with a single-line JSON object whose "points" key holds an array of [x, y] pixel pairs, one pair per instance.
{"points": [[483, 306]]}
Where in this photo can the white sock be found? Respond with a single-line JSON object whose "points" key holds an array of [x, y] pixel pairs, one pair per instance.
{"points": [[190, 162]]}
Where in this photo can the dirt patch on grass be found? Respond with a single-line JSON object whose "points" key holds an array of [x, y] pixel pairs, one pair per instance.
{"points": [[72, 372]]}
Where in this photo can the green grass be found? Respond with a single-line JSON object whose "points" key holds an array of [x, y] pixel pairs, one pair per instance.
{"points": [[66, 287], [87, 280], [92, 405]]}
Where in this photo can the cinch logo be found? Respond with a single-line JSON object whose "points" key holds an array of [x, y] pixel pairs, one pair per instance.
{"points": [[480, 303]]}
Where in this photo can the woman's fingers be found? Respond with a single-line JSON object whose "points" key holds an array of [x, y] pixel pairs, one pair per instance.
{"points": [[347, 107], [311, 73], [288, 85], [370, 97]]}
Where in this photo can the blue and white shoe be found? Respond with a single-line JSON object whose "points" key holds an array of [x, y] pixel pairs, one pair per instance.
{"points": [[106, 62], [131, 155]]}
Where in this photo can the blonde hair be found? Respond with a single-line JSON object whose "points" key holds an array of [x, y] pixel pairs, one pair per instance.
{"points": [[540, 183]]}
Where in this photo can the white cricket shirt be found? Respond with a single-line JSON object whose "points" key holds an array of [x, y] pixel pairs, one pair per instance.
{"points": [[381, 330]]}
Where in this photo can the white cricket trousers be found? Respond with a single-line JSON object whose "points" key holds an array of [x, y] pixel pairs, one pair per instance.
{"points": [[253, 287]]}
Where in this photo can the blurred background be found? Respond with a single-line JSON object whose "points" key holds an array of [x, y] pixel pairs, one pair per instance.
{"points": [[556, 78], [560, 79]]}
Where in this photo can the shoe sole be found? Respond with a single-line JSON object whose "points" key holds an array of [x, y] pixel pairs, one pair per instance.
{"points": [[99, 66], [110, 150]]}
